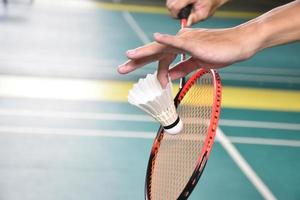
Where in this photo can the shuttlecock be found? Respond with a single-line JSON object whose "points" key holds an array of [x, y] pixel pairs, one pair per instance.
{"points": [[149, 96]]}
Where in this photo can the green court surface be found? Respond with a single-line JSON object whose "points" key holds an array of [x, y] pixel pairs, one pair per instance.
{"points": [[59, 143]]}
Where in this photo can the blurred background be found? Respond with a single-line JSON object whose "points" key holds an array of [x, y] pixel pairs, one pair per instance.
{"points": [[67, 131]]}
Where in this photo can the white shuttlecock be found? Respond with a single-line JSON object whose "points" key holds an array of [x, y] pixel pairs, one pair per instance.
{"points": [[149, 96]]}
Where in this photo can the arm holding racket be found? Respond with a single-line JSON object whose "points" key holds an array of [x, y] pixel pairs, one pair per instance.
{"points": [[202, 9], [279, 26], [218, 47]]}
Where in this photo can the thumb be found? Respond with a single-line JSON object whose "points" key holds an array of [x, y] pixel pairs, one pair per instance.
{"points": [[193, 18], [172, 41], [163, 70], [190, 20], [197, 15]]}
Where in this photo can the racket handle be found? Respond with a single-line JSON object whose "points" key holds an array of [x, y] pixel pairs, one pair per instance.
{"points": [[185, 12], [183, 15]]}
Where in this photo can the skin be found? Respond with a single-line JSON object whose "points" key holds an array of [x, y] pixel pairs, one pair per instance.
{"points": [[216, 48], [202, 9]]}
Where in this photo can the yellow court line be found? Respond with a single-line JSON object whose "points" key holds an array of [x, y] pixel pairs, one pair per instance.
{"points": [[163, 10], [116, 91]]}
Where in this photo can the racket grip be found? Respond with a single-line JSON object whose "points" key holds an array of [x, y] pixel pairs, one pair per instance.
{"points": [[185, 12]]}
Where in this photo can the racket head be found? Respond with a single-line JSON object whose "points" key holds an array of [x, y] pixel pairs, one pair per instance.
{"points": [[177, 161]]}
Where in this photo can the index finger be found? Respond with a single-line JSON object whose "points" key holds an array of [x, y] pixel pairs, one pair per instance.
{"points": [[151, 49], [145, 51]]}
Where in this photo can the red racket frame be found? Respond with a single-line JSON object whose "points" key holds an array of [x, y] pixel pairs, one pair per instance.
{"points": [[209, 141]]}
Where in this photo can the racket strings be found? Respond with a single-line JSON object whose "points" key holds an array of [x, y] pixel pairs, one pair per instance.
{"points": [[178, 154]]}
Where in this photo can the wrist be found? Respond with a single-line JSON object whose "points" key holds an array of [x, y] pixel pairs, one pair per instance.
{"points": [[251, 39], [279, 26]]}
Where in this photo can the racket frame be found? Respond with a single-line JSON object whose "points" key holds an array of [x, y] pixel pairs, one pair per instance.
{"points": [[209, 140]]}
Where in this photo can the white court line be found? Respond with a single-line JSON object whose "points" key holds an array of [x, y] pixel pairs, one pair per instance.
{"points": [[264, 141], [138, 118], [78, 132], [76, 115], [26, 130], [260, 124], [136, 28], [244, 166], [134, 25]]}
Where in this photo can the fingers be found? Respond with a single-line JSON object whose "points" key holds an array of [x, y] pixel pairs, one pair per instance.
{"points": [[163, 70], [174, 6], [146, 54], [149, 50], [132, 65], [124, 68], [152, 52], [183, 68], [197, 15], [184, 30], [194, 18], [190, 20], [177, 44], [145, 51]]}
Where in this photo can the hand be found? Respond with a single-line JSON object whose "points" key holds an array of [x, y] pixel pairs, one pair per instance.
{"points": [[215, 48], [202, 9], [209, 48]]}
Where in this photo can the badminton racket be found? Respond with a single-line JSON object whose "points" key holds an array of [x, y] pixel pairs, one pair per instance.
{"points": [[177, 161]]}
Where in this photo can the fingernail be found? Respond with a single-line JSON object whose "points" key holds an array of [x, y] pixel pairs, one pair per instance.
{"points": [[120, 69], [189, 21], [156, 35], [131, 52]]}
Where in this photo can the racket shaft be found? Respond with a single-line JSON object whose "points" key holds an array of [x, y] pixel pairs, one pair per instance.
{"points": [[183, 55]]}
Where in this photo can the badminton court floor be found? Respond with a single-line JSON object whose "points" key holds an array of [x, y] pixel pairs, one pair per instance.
{"points": [[68, 133]]}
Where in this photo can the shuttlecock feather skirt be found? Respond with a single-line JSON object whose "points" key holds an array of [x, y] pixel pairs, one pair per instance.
{"points": [[158, 102]]}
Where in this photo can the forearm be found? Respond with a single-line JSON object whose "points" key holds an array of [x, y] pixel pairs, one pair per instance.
{"points": [[279, 26]]}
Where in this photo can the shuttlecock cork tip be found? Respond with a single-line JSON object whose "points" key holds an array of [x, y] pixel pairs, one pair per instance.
{"points": [[175, 127]]}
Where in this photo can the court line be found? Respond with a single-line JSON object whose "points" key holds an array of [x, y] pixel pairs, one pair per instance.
{"points": [[79, 132], [260, 124], [264, 141], [138, 118], [75, 115], [244, 166], [135, 27], [26, 130], [132, 23]]}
